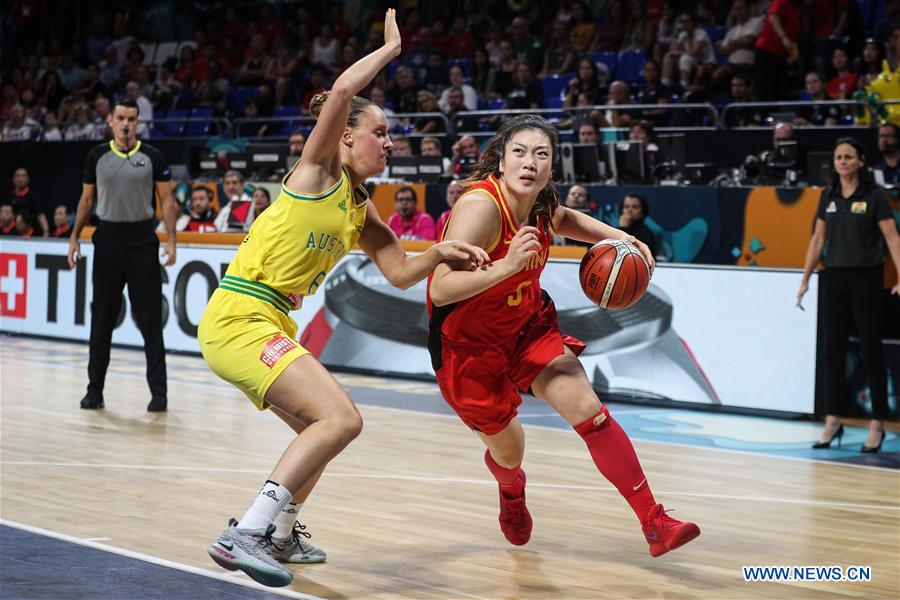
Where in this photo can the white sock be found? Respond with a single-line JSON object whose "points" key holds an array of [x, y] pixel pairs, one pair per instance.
{"points": [[267, 505], [284, 522]]}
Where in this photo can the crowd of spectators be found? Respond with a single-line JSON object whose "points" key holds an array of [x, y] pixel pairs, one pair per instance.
{"points": [[263, 60]]}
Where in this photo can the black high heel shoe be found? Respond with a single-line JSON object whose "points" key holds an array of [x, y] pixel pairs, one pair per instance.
{"points": [[837, 435], [867, 450]]}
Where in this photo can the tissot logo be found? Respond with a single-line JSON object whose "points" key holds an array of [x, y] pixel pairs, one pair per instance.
{"points": [[13, 285]]}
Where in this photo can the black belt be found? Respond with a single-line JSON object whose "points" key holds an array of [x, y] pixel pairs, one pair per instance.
{"points": [[128, 225]]}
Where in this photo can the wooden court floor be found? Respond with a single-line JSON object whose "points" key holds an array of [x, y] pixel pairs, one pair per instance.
{"points": [[409, 511]]}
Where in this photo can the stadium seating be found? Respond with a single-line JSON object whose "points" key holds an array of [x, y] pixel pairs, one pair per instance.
{"points": [[199, 127], [174, 127], [608, 60], [630, 66], [555, 89]]}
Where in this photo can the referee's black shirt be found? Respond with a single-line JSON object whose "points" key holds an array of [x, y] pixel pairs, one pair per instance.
{"points": [[852, 235]]}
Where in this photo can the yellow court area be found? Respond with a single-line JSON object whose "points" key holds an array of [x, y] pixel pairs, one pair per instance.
{"points": [[409, 510]]}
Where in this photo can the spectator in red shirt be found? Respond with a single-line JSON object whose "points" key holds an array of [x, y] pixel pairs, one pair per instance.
{"points": [[843, 84], [410, 223], [186, 70], [461, 43], [23, 225], [269, 25], [25, 202], [342, 29], [7, 219], [61, 221], [409, 31], [133, 61], [775, 45], [234, 29]]}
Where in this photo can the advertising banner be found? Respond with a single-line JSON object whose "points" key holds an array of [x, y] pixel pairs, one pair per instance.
{"points": [[708, 335]]}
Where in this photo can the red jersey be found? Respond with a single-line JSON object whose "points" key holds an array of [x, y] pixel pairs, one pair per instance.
{"points": [[790, 22], [499, 313]]}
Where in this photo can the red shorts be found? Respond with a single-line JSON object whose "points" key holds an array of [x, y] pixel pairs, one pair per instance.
{"points": [[483, 384]]}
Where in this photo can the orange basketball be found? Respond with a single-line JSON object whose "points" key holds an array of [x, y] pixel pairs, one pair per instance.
{"points": [[614, 274]]}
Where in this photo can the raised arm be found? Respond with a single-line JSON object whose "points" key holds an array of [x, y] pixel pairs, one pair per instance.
{"points": [[320, 166]]}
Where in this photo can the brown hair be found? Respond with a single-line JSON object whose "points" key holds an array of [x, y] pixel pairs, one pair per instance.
{"points": [[358, 105], [548, 198]]}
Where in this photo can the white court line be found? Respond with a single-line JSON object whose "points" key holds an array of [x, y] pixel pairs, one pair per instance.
{"points": [[157, 561], [754, 453], [463, 480]]}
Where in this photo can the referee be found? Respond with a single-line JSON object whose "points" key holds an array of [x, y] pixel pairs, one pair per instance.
{"points": [[125, 176]]}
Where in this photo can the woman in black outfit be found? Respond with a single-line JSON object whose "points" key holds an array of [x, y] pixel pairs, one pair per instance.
{"points": [[853, 223]]}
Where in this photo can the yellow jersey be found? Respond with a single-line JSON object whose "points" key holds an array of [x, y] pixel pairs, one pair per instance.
{"points": [[294, 243]]}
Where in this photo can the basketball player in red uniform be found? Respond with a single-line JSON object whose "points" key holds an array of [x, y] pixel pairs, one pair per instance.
{"points": [[494, 333]]}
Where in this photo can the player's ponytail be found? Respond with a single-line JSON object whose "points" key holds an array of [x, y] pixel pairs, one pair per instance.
{"points": [[317, 103], [357, 106]]}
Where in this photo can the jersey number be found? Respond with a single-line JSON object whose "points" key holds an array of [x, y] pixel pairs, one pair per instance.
{"points": [[316, 283], [516, 299]]}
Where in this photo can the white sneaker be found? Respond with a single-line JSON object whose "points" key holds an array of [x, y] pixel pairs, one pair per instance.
{"points": [[294, 549], [250, 551]]}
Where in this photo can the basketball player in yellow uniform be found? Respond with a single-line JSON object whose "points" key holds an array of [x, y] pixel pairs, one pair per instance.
{"points": [[248, 338]]}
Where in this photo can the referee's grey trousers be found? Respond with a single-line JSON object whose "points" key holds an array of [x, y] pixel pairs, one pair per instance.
{"points": [[127, 253]]}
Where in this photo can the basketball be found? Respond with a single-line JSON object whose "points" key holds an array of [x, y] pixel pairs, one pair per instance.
{"points": [[614, 274]]}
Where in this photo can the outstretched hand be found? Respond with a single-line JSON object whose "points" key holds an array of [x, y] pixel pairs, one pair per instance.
{"points": [[462, 255], [391, 31]]}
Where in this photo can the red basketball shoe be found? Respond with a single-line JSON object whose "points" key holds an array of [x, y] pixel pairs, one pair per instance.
{"points": [[664, 533], [515, 520]]}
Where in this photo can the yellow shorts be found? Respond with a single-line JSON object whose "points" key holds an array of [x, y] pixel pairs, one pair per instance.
{"points": [[247, 342]]}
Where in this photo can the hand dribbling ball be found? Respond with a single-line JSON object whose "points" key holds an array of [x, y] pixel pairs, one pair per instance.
{"points": [[614, 274]]}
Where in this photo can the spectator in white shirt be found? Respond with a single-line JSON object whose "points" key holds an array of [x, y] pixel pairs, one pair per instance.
{"points": [[52, 132], [101, 117], [145, 108], [430, 146], [740, 41], [233, 188], [457, 79], [690, 49], [82, 128], [20, 128], [244, 217]]}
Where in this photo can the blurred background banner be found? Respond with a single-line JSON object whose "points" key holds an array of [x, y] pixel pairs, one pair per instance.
{"points": [[703, 335]]}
